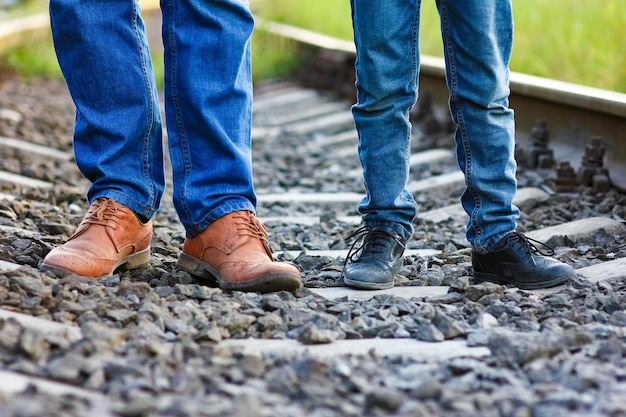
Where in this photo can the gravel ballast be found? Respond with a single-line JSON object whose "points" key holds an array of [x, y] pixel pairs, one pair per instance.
{"points": [[157, 342]]}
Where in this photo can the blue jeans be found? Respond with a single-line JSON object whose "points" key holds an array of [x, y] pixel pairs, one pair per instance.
{"points": [[118, 143], [477, 37]]}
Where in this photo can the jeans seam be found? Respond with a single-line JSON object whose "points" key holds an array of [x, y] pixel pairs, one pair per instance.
{"points": [[460, 121], [415, 47], [182, 136], [148, 133], [415, 65]]}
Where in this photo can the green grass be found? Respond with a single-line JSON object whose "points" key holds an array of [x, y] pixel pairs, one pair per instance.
{"points": [[272, 57], [578, 41], [35, 58], [21, 8]]}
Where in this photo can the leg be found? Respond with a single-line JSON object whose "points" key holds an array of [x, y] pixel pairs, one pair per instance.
{"points": [[387, 65], [208, 103], [477, 37], [103, 53]]}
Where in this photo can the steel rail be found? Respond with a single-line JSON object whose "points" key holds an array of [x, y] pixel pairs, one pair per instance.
{"points": [[574, 113]]}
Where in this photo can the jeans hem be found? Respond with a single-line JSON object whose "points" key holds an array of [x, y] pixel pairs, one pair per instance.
{"points": [[193, 230], [397, 227], [124, 199], [490, 242]]}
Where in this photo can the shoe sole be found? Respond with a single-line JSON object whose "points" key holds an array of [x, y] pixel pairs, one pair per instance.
{"points": [[267, 283], [484, 277], [367, 285], [133, 261]]}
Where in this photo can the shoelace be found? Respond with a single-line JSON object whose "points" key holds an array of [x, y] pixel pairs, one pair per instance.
{"points": [[251, 226], [529, 246], [372, 241], [103, 211]]}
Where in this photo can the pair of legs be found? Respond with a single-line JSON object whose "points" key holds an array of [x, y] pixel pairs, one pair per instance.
{"points": [[103, 52], [118, 139], [477, 38]]}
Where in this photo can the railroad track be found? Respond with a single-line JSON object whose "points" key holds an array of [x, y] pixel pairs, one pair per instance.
{"points": [[573, 113], [318, 124], [288, 117], [307, 138]]}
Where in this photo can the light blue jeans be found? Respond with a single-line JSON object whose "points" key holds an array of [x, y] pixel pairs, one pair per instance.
{"points": [[477, 37], [103, 52]]}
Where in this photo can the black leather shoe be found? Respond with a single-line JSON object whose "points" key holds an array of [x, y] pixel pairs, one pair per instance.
{"points": [[515, 260], [374, 264]]}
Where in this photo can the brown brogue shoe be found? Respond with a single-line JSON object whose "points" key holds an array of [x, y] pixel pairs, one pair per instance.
{"points": [[109, 236], [235, 252]]}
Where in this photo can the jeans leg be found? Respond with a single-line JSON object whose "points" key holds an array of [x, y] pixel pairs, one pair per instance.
{"points": [[208, 104], [477, 37], [103, 53], [387, 66]]}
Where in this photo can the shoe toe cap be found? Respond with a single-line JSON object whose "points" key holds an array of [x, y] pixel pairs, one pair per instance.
{"points": [[368, 276], [65, 261]]}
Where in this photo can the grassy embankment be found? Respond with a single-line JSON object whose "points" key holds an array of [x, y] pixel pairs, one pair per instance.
{"points": [[579, 42]]}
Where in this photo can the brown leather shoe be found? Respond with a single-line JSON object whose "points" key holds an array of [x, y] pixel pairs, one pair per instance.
{"points": [[234, 251], [109, 236]]}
